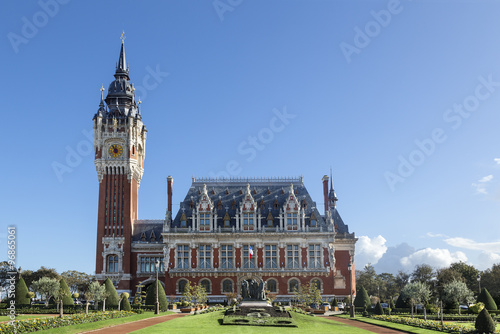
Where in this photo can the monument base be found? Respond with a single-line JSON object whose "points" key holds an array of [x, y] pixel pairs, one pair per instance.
{"points": [[255, 303]]}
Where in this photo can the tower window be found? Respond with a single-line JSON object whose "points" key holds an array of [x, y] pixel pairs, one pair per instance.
{"points": [[227, 256], [112, 263]]}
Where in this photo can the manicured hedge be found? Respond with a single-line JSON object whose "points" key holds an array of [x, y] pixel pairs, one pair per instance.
{"points": [[32, 325], [429, 324]]}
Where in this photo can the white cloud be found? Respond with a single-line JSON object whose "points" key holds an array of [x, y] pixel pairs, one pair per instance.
{"points": [[436, 235], [369, 250], [435, 257], [487, 260], [482, 183], [493, 247], [497, 160]]}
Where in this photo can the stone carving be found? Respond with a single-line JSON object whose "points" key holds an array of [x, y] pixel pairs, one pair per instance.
{"points": [[253, 290]]}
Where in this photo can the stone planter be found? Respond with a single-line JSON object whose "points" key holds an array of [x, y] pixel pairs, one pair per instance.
{"points": [[318, 311], [187, 309]]}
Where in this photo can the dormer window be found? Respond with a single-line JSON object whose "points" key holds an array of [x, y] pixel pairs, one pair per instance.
{"points": [[248, 221], [291, 221], [227, 220], [183, 220], [152, 238], [204, 221], [314, 222], [276, 204], [262, 204], [143, 236], [270, 220], [219, 205]]}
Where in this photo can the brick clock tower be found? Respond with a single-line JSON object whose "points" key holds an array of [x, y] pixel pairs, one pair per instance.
{"points": [[120, 143]]}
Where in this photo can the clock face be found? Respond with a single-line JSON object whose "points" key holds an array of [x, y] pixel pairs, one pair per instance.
{"points": [[115, 150]]}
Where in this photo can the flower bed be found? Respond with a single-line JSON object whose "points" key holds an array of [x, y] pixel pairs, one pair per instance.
{"points": [[32, 325], [428, 324]]}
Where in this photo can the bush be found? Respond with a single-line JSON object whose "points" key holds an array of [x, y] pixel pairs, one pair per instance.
{"points": [[476, 308], [484, 322], [113, 298], [22, 293], [488, 301], [67, 299], [362, 298], [379, 310], [162, 297], [401, 303], [125, 305]]}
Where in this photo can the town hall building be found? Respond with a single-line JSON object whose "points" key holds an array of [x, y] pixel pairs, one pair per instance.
{"points": [[225, 231]]}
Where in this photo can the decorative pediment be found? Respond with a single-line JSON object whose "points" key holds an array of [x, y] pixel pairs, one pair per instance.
{"points": [[248, 203], [291, 203], [205, 204]]}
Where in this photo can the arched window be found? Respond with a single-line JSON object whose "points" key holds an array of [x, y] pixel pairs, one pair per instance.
{"points": [[272, 286], [206, 284], [293, 285], [316, 282], [112, 263], [227, 286], [181, 285]]}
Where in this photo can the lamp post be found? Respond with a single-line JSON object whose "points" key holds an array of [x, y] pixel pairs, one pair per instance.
{"points": [[351, 308], [157, 304], [479, 282]]}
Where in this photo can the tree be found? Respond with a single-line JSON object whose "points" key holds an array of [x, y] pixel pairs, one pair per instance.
{"points": [[32, 276], [46, 287], [388, 287], [67, 299], [401, 280], [488, 301], [199, 294], [6, 273], [468, 273], [124, 303], [362, 298], [484, 322], [95, 292], [416, 293], [112, 298], [423, 273], [77, 281], [367, 278], [457, 292], [187, 294], [162, 297], [60, 295], [22, 293], [379, 310], [401, 302], [490, 279]]}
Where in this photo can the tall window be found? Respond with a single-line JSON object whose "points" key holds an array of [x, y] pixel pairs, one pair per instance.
{"points": [[183, 220], [147, 264], [227, 220], [204, 221], [272, 286], [205, 256], [248, 221], [247, 261], [227, 256], [227, 286], [181, 285], [271, 256], [314, 256], [183, 256], [206, 284], [293, 285], [291, 221], [112, 263], [316, 282], [292, 256]]}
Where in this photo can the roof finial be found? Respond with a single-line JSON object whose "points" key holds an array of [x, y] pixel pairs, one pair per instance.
{"points": [[102, 94], [121, 68], [122, 37]]}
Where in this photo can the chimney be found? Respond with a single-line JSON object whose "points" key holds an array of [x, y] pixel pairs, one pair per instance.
{"points": [[325, 191], [170, 180]]}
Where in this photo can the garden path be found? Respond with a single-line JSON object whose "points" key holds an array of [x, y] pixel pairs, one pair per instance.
{"points": [[363, 325], [136, 325]]}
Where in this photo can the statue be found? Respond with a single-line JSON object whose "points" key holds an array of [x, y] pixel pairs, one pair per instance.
{"points": [[252, 290], [244, 290]]}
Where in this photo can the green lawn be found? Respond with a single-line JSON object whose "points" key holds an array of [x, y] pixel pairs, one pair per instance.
{"points": [[101, 324], [405, 328], [209, 322]]}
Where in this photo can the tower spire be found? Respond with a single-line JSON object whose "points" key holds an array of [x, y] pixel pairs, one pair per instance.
{"points": [[332, 197], [121, 67]]}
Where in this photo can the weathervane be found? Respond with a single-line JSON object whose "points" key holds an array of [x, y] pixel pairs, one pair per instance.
{"points": [[122, 37]]}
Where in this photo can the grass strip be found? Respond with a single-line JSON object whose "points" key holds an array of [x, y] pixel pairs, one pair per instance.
{"points": [[212, 323]]}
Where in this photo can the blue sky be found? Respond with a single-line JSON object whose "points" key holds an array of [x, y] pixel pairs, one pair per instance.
{"points": [[401, 99]]}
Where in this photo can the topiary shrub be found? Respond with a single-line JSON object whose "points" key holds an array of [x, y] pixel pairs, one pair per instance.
{"points": [[112, 300], [476, 308], [125, 304], [362, 299], [484, 322], [379, 310], [162, 297], [401, 303], [22, 293], [67, 299], [488, 301]]}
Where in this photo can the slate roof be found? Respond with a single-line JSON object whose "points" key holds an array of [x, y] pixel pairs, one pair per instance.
{"points": [[144, 228], [227, 194]]}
